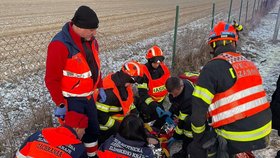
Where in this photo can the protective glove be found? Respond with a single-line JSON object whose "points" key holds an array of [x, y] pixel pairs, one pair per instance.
{"points": [[102, 95], [169, 121], [60, 111], [162, 113], [167, 114], [170, 142]]}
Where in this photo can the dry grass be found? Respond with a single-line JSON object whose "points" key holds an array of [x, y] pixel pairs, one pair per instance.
{"points": [[14, 132], [193, 52]]}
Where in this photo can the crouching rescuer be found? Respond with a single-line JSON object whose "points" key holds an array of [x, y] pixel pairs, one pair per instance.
{"points": [[152, 91], [118, 88], [229, 95], [57, 142]]}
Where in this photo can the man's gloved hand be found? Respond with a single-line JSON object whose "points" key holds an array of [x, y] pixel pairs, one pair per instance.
{"points": [[60, 111], [102, 95], [170, 142]]}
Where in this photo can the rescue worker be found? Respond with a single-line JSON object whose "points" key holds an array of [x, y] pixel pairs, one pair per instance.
{"points": [[59, 142], [153, 92], [119, 102], [130, 141], [180, 95], [275, 109], [73, 71], [229, 96]]}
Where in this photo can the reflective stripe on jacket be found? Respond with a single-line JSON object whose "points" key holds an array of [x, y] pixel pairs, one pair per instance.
{"points": [[126, 106], [156, 88], [244, 99]]}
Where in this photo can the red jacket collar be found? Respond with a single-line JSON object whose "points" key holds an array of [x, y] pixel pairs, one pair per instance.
{"points": [[76, 38]]}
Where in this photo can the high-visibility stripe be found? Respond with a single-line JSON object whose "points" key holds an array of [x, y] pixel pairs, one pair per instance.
{"points": [[19, 155], [158, 99], [178, 130], [143, 86], [118, 118], [211, 154], [188, 134], [67, 94], [91, 154], [107, 108], [239, 109], [236, 96], [76, 75], [198, 129], [182, 116], [246, 136], [132, 106], [182, 131], [232, 73], [191, 74], [90, 145], [203, 94], [108, 124], [149, 100]]}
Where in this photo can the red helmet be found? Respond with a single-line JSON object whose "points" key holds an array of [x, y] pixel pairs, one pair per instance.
{"points": [[154, 51], [222, 32], [133, 69]]}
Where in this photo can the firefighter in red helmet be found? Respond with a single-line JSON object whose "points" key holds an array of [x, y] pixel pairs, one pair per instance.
{"points": [[152, 91], [120, 101], [230, 97]]}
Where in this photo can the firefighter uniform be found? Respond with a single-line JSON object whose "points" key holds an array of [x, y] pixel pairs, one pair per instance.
{"points": [[152, 91], [182, 107], [119, 100], [230, 97], [230, 90], [61, 142]]}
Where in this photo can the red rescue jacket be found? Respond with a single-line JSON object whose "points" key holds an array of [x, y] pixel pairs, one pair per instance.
{"points": [[58, 142], [156, 88], [244, 99]]}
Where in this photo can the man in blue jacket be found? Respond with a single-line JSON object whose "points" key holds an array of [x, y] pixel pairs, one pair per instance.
{"points": [[60, 142]]}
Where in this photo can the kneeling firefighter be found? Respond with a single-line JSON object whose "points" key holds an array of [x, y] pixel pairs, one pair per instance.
{"points": [[119, 102]]}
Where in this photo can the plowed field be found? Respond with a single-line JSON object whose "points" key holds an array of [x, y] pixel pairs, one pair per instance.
{"points": [[121, 20]]}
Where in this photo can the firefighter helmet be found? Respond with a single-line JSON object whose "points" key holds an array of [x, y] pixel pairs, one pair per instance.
{"points": [[133, 69], [223, 33], [155, 54]]}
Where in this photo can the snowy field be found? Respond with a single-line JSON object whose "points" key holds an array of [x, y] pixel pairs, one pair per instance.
{"points": [[266, 56]]}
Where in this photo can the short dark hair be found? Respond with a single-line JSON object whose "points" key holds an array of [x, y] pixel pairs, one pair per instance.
{"points": [[132, 128], [173, 83]]}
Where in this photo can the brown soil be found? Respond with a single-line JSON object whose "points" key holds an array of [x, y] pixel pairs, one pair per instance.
{"points": [[121, 20]]}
